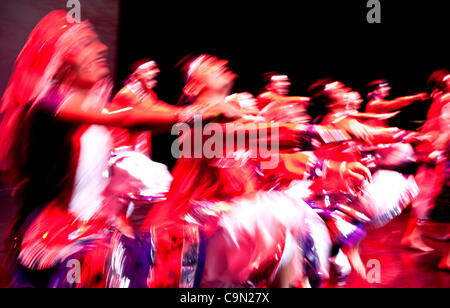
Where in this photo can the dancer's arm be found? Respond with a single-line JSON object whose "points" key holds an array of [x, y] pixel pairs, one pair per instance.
{"points": [[143, 116], [384, 106], [281, 98]]}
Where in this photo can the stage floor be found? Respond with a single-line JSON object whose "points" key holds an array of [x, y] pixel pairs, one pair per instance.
{"points": [[399, 267], [402, 267]]}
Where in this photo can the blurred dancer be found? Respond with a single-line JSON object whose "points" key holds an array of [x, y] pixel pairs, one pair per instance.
{"points": [[199, 184], [444, 198], [340, 100], [275, 100], [379, 91], [55, 151], [248, 241], [391, 155], [381, 200], [132, 147], [244, 101], [432, 157], [138, 90]]}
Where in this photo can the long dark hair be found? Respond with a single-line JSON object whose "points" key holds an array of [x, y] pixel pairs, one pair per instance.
{"points": [[436, 80], [320, 99]]}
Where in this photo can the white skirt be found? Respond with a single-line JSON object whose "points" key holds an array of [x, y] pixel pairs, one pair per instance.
{"points": [[387, 196], [146, 179], [255, 238]]}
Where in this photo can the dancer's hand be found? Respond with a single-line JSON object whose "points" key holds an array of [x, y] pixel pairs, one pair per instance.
{"points": [[422, 96], [415, 137], [358, 130], [357, 172], [353, 174], [228, 111]]}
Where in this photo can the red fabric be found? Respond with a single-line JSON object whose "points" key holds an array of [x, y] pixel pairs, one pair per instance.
{"points": [[34, 58], [194, 179], [53, 231], [136, 139], [168, 255], [30, 66], [268, 97], [432, 125]]}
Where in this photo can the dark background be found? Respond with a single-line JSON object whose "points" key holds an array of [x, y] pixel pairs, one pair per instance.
{"points": [[304, 39]]}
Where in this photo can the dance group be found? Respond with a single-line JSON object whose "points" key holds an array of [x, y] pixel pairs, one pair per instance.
{"points": [[80, 164]]}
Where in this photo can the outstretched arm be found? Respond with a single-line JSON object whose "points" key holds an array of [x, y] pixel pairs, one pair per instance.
{"points": [[145, 116], [148, 115], [384, 106], [281, 98], [374, 134]]}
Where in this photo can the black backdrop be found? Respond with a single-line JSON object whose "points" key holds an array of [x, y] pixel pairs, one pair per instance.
{"points": [[305, 39]]}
